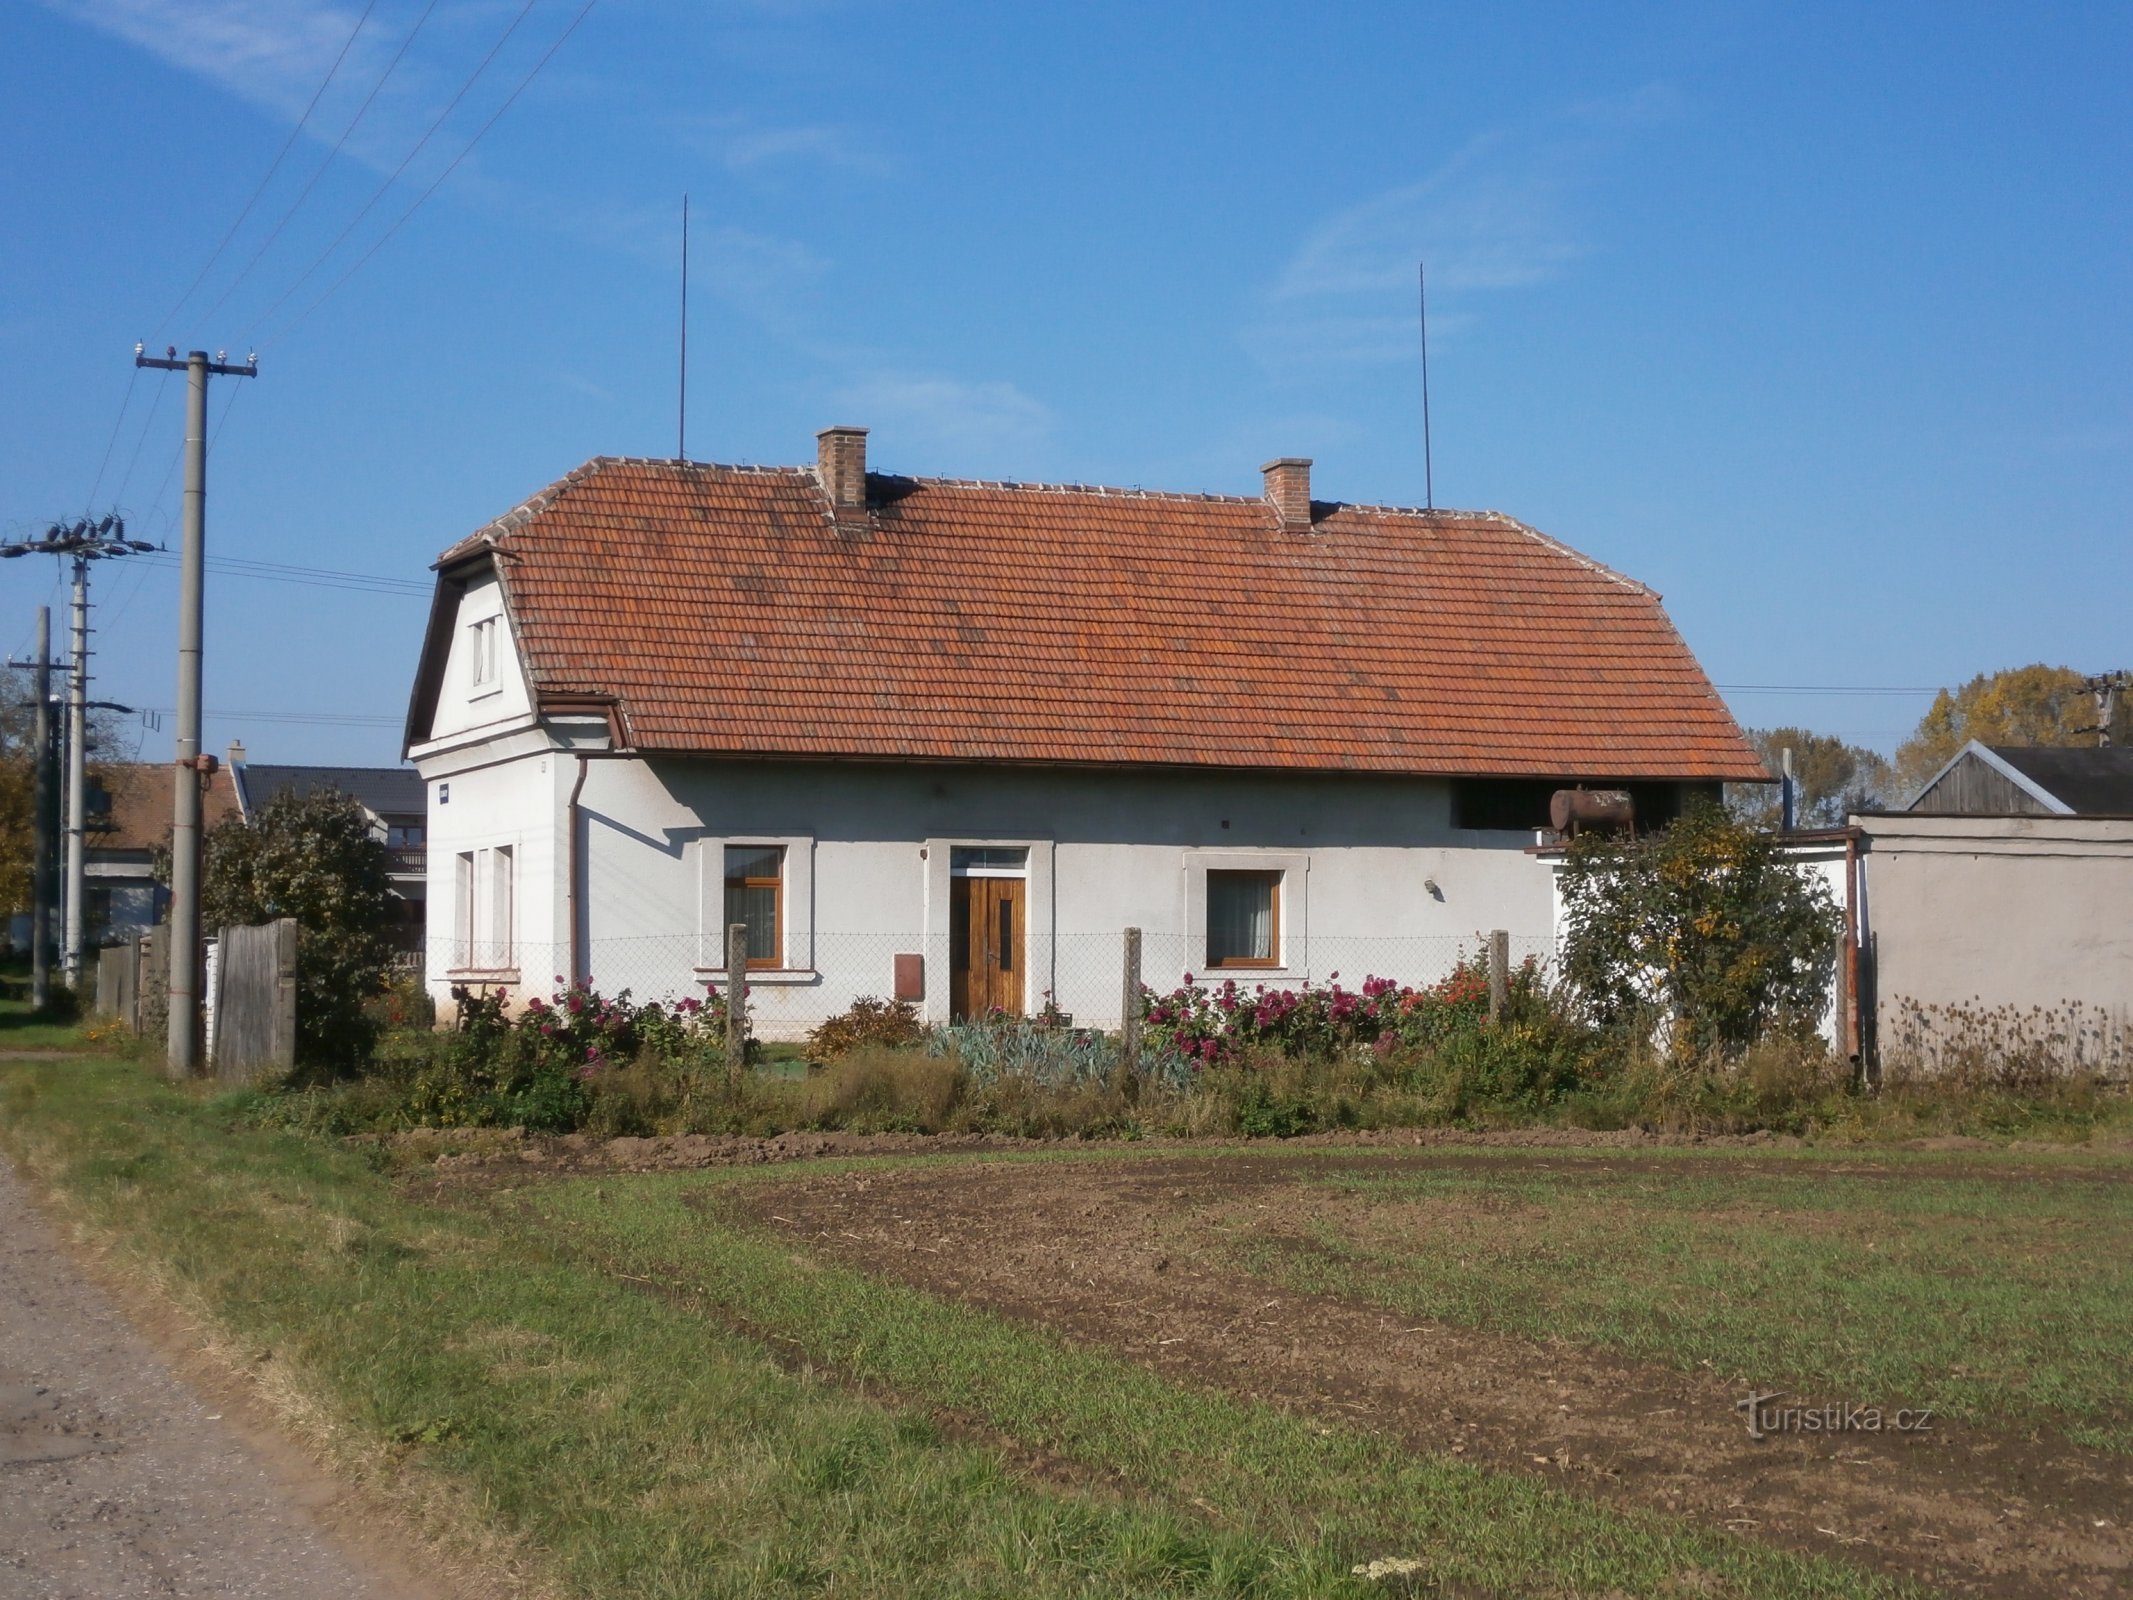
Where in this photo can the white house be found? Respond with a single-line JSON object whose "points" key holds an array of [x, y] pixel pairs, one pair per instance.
{"points": [[947, 739]]}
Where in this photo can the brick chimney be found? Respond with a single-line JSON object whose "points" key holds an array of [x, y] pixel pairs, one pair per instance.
{"points": [[1288, 491], [841, 464]]}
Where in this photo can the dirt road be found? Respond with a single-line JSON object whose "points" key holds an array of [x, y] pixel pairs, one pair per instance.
{"points": [[119, 1479]]}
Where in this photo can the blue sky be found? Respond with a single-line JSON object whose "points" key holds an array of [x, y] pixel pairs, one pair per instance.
{"points": [[1811, 317]]}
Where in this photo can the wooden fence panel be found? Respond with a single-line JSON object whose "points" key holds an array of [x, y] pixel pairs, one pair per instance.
{"points": [[255, 1021], [117, 969]]}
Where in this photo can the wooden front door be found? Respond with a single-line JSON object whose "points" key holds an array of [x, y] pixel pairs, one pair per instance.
{"points": [[985, 953]]}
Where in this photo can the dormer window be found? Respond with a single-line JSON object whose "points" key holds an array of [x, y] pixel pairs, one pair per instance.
{"points": [[481, 652]]}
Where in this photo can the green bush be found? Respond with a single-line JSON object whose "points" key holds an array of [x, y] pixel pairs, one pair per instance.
{"points": [[314, 859], [1707, 925]]}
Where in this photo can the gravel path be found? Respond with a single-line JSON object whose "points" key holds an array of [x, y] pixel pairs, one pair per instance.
{"points": [[118, 1479]]}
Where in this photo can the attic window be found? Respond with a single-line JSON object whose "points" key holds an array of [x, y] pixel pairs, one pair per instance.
{"points": [[481, 652]]}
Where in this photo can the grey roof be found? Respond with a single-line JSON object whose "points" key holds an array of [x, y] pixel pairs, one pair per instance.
{"points": [[387, 791], [2088, 782]]}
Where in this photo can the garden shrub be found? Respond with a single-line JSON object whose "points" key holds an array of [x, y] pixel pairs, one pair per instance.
{"points": [[547, 1068], [313, 858], [882, 1024], [1707, 925]]}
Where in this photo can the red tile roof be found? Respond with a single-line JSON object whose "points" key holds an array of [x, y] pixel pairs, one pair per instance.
{"points": [[142, 800], [729, 613]]}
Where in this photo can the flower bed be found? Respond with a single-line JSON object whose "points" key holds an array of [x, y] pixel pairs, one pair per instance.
{"points": [[1207, 1026]]}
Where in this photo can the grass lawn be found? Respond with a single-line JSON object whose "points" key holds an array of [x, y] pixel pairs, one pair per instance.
{"points": [[1986, 1288], [656, 1399]]}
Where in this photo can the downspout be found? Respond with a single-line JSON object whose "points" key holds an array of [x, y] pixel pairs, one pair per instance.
{"points": [[572, 871]]}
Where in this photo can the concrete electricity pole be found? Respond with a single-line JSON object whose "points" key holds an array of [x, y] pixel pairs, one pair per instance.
{"points": [[70, 952], [41, 884], [183, 1045], [82, 542]]}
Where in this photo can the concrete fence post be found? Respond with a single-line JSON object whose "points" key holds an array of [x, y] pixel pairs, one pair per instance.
{"points": [[1499, 972], [736, 1002], [285, 942], [1129, 1012]]}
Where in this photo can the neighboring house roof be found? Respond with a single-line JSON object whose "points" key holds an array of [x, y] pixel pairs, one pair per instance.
{"points": [[2062, 780], [728, 611], [142, 803], [2088, 782], [386, 791]]}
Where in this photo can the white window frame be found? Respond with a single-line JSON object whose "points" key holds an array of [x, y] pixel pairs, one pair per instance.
{"points": [[1294, 949], [796, 907], [483, 634], [501, 950], [485, 912], [462, 911]]}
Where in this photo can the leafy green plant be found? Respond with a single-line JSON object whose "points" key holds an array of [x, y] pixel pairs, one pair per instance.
{"points": [[999, 1046], [311, 857], [1707, 924]]}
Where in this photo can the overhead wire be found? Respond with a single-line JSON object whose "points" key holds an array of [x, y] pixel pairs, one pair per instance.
{"points": [[320, 718], [315, 577], [155, 405], [479, 134], [133, 377], [273, 167], [406, 161], [319, 172], [1823, 688]]}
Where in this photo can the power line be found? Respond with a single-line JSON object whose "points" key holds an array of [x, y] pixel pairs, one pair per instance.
{"points": [[1822, 688], [155, 406], [133, 377], [272, 167], [405, 161], [321, 719], [320, 171], [315, 577], [480, 133]]}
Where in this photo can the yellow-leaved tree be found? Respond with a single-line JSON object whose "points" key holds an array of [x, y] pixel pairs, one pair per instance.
{"points": [[2034, 705]]}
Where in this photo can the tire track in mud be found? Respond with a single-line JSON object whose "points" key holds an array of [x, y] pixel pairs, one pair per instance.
{"points": [[1081, 1248]]}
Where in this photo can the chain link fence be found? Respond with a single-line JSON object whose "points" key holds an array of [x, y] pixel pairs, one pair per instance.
{"points": [[1081, 974]]}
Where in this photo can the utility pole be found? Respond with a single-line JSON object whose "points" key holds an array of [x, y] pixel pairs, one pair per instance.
{"points": [[183, 1046], [41, 825], [70, 955], [2105, 686], [81, 542]]}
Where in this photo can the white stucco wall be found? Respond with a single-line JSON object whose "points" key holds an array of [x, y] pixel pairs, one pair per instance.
{"points": [[867, 852], [2000, 911], [463, 705]]}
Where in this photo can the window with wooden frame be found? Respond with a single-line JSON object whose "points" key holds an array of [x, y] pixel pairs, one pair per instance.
{"points": [[1243, 919], [755, 894]]}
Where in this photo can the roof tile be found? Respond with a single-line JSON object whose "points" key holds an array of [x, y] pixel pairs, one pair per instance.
{"points": [[729, 613]]}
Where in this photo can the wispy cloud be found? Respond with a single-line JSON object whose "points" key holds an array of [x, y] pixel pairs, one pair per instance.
{"points": [[1499, 214], [985, 428], [1489, 218], [743, 145], [269, 52], [400, 72]]}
